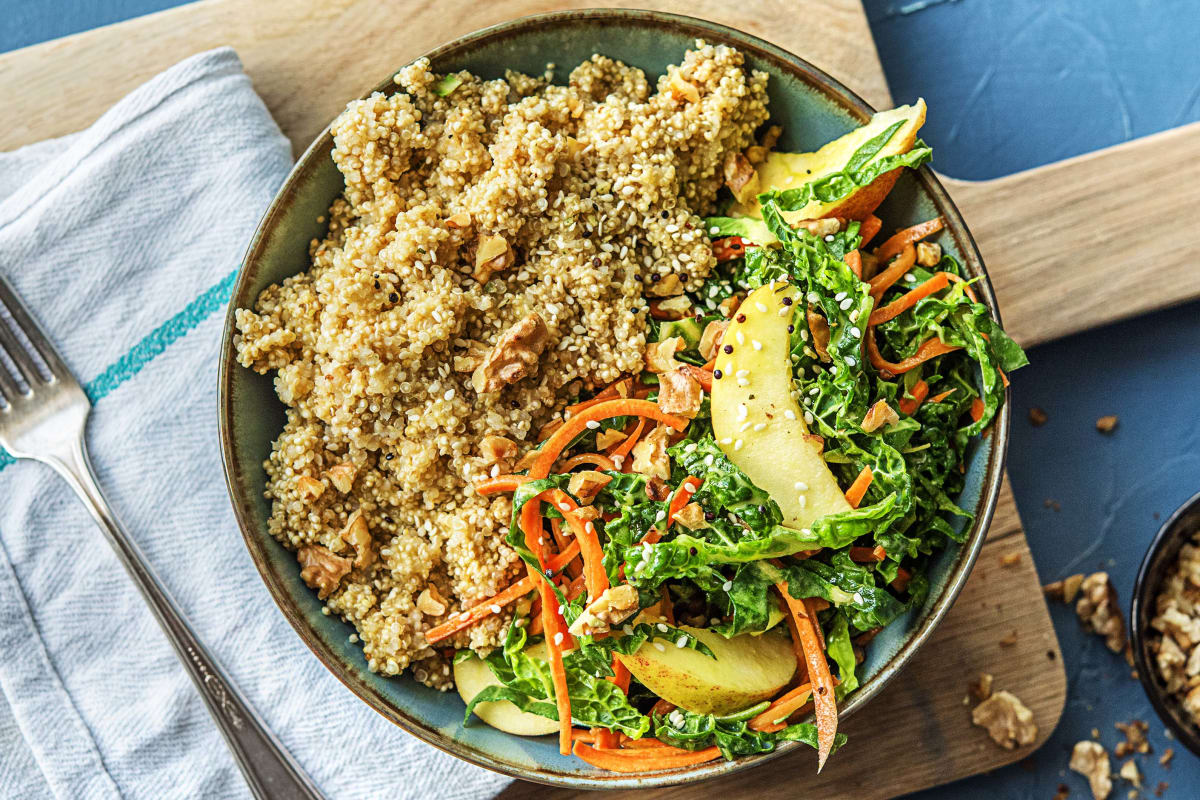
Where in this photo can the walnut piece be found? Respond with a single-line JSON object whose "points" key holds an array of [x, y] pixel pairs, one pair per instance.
{"points": [[1130, 772], [497, 450], [681, 89], [321, 569], [493, 255], [612, 607], [650, 454], [1107, 423], [878, 416], [929, 254], [1135, 738], [671, 308], [342, 476], [585, 485], [821, 227], [460, 220], [710, 340], [666, 286], [609, 437], [740, 177], [729, 306], [310, 488], [818, 326], [679, 393], [1065, 590], [430, 602], [1007, 720], [1098, 610], [358, 536], [514, 356], [1090, 759], [660, 356], [691, 517], [981, 689]]}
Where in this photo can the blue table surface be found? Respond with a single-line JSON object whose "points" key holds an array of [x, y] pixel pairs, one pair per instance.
{"points": [[1012, 84]]}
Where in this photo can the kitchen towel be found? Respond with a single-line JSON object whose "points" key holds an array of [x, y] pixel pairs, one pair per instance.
{"points": [[124, 239]]}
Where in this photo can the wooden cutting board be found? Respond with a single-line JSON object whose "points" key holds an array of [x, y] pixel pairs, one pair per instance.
{"points": [[1062, 243]]}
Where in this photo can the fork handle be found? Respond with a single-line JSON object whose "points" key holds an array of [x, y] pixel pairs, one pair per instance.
{"points": [[268, 768]]}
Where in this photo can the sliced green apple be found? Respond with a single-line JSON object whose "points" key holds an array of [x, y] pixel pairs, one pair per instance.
{"points": [[784, 171], [472, 676], [756, 419], [747, 670]]}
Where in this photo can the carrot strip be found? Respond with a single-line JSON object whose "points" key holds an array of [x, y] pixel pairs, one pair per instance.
{"points": [[652, 536], [818, 673], [621, 675], [593, 459], [683, 496], [919, 391], [642, 744], [903, 576], [595, 578], [501, 483], [700, 375], [576, 587], [854, 261], [858, 489], [645, 760], [618, 388], [668, 608], [884, 280], [967, 288], [622, 450], [977, 409], [605, 739], [930, 348], [865, 554], [783, 707], [908, 236], [869, 229], [730, 247], [562, 437], [582, 735], [909, 299], [937, 398]]}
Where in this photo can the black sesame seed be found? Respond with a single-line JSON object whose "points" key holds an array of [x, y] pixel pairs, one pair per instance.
{"points": [[692, 550], [665, 215], [514, 404], [791, 328], [596, 261], [587, 231], [388, 519], [787, 301], [728, 349], [655, 278], [376, 284], [709, 516], [393, 297], [741, 317], [717, 374], [762, 509], [389, 456]]}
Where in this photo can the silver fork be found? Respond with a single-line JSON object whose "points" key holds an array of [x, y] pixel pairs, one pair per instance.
{"points": [[44, 419]]}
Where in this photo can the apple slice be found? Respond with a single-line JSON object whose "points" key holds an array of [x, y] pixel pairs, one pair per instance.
{"points": [[784, 171], [747, 670], [472, 676], [756, 420]]}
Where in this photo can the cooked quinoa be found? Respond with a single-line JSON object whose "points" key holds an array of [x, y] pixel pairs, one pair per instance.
{"points": [[506, 203]]}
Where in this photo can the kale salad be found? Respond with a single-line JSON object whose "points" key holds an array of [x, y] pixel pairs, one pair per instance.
{"points": [[712, 543]]}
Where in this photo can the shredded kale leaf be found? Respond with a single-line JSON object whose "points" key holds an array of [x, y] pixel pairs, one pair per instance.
{"points": [[732, 734]]}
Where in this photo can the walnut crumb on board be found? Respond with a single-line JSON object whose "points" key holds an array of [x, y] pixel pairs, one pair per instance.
{"points": [[1098, 610], [1165, 758], [1135, 738], [1065, 590], [1010, 559], [1107, 423], [1130, 772], [1063, 792], [981, 687], [1037, 416], [1009, 639], [1007, 720], [1090, 759]]}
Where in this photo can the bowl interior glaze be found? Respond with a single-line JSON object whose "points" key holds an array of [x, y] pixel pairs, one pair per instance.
{"points": [[813, 108]]}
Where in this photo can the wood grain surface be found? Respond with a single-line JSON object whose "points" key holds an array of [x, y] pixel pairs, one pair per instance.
{"points": [[307, 57]]}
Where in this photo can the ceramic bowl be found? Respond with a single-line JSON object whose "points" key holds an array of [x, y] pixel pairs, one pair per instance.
{"points": [[813, 108], [1157, 562]]}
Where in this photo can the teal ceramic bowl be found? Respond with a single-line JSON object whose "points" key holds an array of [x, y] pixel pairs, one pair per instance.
{"points": [[813, 108]]}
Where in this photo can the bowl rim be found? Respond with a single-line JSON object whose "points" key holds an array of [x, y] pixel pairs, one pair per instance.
{"points": [[959, 570], [1163, 548]]}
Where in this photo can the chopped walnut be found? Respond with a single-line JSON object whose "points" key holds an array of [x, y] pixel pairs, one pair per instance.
{"points": [[514, 356], [821, 227], [650, 454], [1006, 719], [1099, 612], [1130, 772], [1010, 559], [740, 177], [460, 220], [981, 689], [681, 89], [1090, 759], [321, 569], [342, 476], [878, 416], [1037, 416], [476, 352], [1009, 639], [1107, 424], [770, 137], [756, 154], [691, 517], [1065, 590], [493, 255], [497, 450], [671, 308], [929, 254], [660, 356], [430, 602], [1135, 738], [668, 285], [612, 607], [818, 326], [310, 488], [585, 485], [585, 514], [609, 437], [679, 393], [710, 340], [729, 306], [358, 536]]}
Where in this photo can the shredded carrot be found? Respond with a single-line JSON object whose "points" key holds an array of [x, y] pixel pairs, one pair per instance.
{"points": [[937, 398], [595, 578], [562, 437], [930, 348], [903, 576], [582, 735], [605, 739], [772, 718], [818, 672], [909, 299], [668, 608], [594, 459], [884, 280], [865, 554], [700, 375], [858, 489], [977, 409], [854, 261], [869, 229], [730, 247], [618, 388], [620, 675], [966, 288], [652, 536], [645, 743], [620, 453], [560, 539], [645, 760], [500, 483], [683, 496], [907, 237], [576, 587], [909, 405], [1003, 377]]}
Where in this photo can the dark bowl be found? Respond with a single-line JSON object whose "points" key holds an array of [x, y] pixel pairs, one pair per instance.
{"points": [[1155, 565], [814, 108]]}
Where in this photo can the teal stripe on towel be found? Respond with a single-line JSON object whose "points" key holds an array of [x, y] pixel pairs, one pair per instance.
{"points": [[154, 343]]}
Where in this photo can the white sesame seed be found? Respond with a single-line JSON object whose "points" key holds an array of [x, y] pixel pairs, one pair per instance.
{"points": [[845, 304], [727, 585], [737, 445], [495, 470], [800, 486], [741, 373], [829, 237], [855, 332], [691, 448], [558, 638], [618, 461], [689, 487], [660, 516], [789, 414], [658, 646], [592, 424], [740, 338], [628, 629], [564, 507], [745, 426], [727, 440], [708, 460], [743, 382], [833, 369], [742, 411], [682, 641], [783, 311], [495, 608], [840, 296], [756, 344], [714, 230], [910, 278], [802, 501], [449, 395], [814, 391], [760, 427], [662, 626], [858, 598], [808, 417], [762, 309], [851, 361]]}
